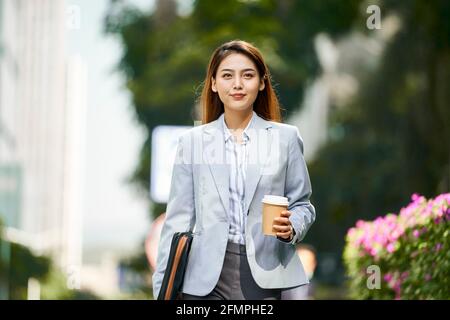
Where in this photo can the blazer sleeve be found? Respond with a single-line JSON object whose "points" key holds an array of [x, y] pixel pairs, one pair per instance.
{"points": [[298, 188], [180, 212]]}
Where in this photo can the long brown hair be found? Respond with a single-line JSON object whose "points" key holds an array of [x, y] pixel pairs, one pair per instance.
{"points": [[266, 104]]}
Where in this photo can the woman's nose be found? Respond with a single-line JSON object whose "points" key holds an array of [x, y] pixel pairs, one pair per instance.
{"points": [[237, 82]]}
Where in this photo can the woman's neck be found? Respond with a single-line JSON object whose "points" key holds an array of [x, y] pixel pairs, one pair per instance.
{"points": [[237, 120]]}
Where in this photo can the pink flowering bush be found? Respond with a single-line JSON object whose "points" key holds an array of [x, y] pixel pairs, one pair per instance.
{"points": [[411, 250]]}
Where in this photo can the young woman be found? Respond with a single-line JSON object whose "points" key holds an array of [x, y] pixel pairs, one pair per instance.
{"points": [[222, 171]]}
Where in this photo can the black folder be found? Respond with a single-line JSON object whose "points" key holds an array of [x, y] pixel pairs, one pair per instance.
{"points": [[176, 266]]}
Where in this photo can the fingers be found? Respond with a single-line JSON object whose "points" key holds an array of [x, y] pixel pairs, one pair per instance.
{"points": [[281, 221], [282, 225], [286, 213], [284, 235], [284, 228]]}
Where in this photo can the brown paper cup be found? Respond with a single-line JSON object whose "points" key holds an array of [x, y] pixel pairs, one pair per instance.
{"points": [[272, 208]]}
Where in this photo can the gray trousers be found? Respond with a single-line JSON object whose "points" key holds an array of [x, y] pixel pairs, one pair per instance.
{"points": [[236, 281]]}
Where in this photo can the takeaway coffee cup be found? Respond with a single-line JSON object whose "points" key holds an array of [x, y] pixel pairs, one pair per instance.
{"points": [[272, 208]]}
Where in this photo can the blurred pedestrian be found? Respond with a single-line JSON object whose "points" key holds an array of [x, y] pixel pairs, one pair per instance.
{"points": [[307, 255]]}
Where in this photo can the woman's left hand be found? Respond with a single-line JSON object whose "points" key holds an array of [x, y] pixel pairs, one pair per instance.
{"points": [[283, 226]]}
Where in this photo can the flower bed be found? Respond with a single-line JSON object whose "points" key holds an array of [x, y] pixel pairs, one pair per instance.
{"points": [[410, 249]]}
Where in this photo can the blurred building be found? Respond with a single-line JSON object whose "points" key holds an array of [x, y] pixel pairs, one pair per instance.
{"points": [[42, 118], [10, 168]]}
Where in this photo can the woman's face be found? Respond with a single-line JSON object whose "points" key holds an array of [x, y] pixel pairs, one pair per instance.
{"points": [[237, 82]]}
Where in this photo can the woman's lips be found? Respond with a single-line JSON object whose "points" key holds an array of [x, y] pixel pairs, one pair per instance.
{"points": [[238, 96]]}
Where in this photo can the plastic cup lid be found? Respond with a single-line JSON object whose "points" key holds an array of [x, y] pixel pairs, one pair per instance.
{"points": [[276, 200]]}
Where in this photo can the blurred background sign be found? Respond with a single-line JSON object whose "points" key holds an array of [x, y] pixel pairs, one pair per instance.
{"points": [[164, 147]]}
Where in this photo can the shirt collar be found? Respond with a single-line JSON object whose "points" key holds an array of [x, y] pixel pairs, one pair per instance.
{"points": [[228, 134]]}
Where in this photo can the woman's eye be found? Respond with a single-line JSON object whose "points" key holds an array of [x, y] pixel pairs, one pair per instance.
{"points": [[248, 75], [227, 75]]}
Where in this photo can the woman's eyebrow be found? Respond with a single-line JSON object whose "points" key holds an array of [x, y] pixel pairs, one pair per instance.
{"points": [[243, 70]]}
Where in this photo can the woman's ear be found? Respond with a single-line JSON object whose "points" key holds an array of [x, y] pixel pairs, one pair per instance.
{"points": [[213, 84], [262, 84]]}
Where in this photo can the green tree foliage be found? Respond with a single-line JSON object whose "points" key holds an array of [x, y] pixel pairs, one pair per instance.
{"points": [[55, 287], [20, 265], [138, 266], [395, 136]]}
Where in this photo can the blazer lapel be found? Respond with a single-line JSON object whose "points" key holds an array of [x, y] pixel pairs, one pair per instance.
{"points": [[258, 156], [214, 154]]}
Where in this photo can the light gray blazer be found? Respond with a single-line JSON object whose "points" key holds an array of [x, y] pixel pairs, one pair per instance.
{"points": [[199, 196]]}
